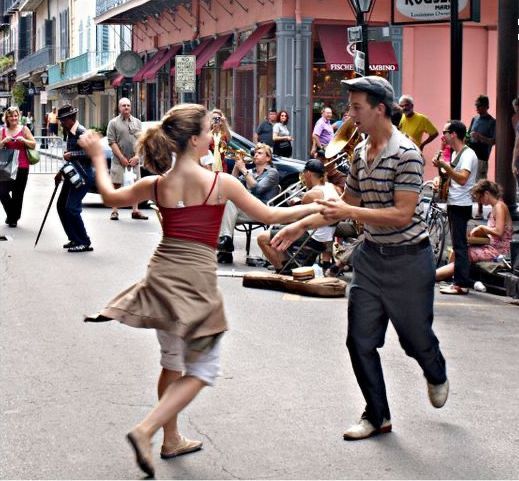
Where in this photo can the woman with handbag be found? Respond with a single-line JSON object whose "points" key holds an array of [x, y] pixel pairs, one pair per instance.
{"points": [[15, 137], [179, 296], [281, 136]]}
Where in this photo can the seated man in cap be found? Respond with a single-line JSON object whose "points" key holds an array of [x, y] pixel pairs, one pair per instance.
{"points": [[320, 239], [74, 188]]}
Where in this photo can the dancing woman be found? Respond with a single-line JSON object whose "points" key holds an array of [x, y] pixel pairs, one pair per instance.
{"points": [[179, 295]]}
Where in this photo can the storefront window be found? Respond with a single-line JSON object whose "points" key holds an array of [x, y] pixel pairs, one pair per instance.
{"points": [[326, 87]]}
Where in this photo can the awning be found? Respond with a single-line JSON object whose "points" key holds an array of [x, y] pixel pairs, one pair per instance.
{"points": [[197, 51], [234, 60], [139, 76], [209, 52], [339, 54], [118, 80], [152, 71]]}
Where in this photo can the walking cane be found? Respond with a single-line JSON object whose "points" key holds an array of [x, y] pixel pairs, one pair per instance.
{"points": [[46, 213]]}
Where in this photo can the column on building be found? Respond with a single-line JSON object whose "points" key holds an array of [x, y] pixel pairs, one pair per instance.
{"points": [[294, 53]]}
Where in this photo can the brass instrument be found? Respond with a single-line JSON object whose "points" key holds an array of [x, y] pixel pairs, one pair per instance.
{"points": [[340, 151], [234, 154], [344, 141]]}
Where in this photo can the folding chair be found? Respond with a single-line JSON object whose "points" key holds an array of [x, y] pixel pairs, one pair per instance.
{"points": [[303, 254]]}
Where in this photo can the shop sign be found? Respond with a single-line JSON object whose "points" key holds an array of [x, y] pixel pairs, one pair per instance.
{"points": [[411, 12], [185, 73], [98, 85], [84, 88]]}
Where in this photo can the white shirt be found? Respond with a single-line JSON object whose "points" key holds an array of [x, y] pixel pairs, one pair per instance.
{"points": [[460, 194], [325, 233]]}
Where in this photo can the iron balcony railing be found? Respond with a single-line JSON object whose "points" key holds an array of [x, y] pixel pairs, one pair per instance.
{"points": [[39, 59], [103, 6], [83, 65], [10, 6]]}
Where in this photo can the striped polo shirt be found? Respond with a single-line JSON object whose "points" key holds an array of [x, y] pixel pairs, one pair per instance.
{"points": [[398, 167]]}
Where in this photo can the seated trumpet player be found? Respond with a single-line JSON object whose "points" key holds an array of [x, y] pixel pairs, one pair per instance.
{"points": [[262, 182], [320, 241]]}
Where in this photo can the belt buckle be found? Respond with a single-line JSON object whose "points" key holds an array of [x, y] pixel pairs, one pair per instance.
{"points": [[382, 250]]}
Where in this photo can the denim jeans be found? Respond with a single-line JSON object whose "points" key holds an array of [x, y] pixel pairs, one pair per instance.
{"points": [[459, 216], [400, 288], [69, 208]]}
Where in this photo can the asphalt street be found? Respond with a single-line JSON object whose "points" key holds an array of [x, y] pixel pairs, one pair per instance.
{"points": [[71, 391]]}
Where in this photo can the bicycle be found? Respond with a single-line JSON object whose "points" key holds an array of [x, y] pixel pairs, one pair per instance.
{"points": [[436, 221]]}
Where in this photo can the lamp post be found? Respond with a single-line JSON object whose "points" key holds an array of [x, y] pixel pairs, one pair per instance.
{"points": [[360, 9], [44, 77]]}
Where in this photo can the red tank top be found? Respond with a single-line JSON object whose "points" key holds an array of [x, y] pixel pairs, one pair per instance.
{"points": [[196, 223]]}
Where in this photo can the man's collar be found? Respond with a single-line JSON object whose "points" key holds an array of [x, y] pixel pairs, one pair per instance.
{"points": [[74, 127]]}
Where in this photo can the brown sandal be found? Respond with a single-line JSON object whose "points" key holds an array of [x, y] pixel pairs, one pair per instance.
{"points": [[138, 215]]}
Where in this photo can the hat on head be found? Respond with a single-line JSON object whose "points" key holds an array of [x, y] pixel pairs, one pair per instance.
{"points": [[315, 166], [374, 85], [66, 111]]}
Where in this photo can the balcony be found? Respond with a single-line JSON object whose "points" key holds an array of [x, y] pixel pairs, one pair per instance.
{"points": [[39, 60], [128, 12], [80, 68], [29, 5], [10, 6]]}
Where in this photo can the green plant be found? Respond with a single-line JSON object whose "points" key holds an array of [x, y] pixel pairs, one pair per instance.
{"points": [[5, 62], [101, 129], [19, 92]]}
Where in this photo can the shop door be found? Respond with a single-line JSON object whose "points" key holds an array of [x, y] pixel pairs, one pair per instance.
{"points": [[244, 107], [151, 102]]}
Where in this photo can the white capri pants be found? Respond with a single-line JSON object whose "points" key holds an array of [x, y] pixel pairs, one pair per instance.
{"points": [[206, 367]]}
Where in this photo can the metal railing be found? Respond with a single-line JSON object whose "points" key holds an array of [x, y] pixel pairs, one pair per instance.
{"points": [[103, 6], [38, 59], [75, 67], [51, 154]]}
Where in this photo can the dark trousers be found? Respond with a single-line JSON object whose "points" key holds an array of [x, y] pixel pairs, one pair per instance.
{"points": [[459, 216], [399, 288], [69, 209], [11, 195]]}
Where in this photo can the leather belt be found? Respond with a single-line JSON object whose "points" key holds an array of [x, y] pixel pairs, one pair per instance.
{"points": [[397, 250]]}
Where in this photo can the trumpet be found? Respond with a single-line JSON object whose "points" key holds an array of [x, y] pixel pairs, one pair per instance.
{"points": [[235, 154]]}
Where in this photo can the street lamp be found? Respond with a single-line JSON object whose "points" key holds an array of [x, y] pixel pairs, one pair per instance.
{"points": [[44, 77], [360, 9]]}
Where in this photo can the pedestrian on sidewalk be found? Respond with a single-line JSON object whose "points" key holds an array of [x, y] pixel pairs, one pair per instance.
{"points": [[462, 173], [122, 133], [179, 295], [76, 183], [15, 137], [393, 273], [481, 137]]}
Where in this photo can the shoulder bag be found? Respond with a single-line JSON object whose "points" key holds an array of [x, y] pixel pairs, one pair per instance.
{"points": [[8, 164], [33, 156]]}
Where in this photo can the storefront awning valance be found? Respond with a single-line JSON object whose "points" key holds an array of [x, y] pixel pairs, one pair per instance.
{"points": [[209, 52], [339, 54], [234, 60], [196, 51], [152, 71], [117, 80], [139, 76]]}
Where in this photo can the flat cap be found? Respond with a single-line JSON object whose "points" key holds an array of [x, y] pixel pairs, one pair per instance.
{"points": [[374, 85]]}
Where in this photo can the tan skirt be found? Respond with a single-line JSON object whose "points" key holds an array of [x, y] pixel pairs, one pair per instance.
{"points": [[179, 293]]}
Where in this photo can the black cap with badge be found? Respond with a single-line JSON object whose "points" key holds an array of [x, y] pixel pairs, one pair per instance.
{"points": [[374, 85]]}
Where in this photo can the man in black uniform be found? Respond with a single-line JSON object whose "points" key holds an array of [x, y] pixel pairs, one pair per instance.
{"points": [[78, 178]]}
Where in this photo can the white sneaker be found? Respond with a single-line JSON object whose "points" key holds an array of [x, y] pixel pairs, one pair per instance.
{"points": [[438, 393], [479, 286], [364, 429]]}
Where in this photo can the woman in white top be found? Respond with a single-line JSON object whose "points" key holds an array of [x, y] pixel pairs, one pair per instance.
{"points": [[281, 136]]}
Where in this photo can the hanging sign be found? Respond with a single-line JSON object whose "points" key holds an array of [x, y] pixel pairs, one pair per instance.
{"points": [[185, 73], [411, 12]]}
